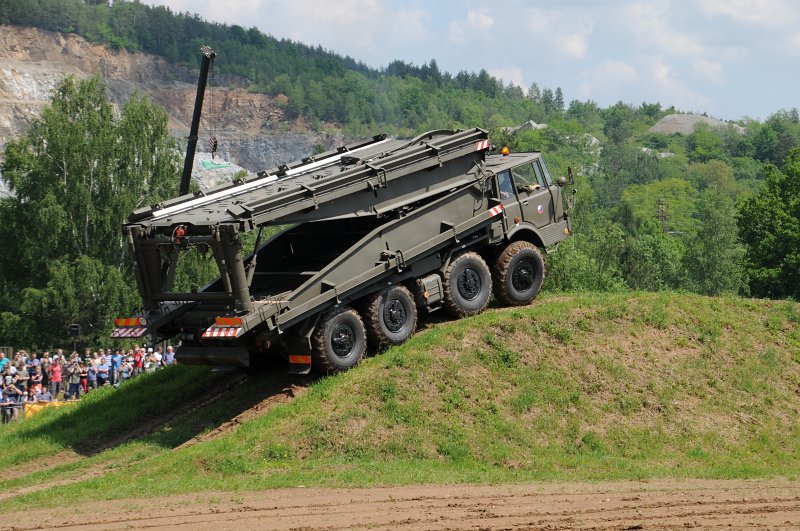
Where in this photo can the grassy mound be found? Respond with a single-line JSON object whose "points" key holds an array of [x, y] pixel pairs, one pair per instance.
{"points": [[573, 387]]}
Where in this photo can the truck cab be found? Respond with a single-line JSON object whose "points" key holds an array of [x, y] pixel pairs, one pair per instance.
{"points": [[532, 201]]}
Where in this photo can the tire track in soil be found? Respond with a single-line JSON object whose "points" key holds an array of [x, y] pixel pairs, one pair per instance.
{"points": [[280, 390], [141, 430], [278, 393], [152, 424], [666, 504]]}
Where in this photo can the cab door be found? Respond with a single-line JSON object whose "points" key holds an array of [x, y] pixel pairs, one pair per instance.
{"points": [[507, 193], [535, 197]]}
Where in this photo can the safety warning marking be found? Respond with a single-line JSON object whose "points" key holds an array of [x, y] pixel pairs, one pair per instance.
{"points": [[228, 321], [222, 331], [130, 321], [483, 144], [128, 332], [496, 210]]}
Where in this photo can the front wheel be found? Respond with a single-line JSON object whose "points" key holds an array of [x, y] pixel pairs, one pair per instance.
{"points": [[339, 340], [467, 285], [518, 274]]}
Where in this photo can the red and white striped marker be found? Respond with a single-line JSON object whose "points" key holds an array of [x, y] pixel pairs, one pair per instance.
{"points": [[128, 332], [222, 331], [483, 144], [495, 210]]}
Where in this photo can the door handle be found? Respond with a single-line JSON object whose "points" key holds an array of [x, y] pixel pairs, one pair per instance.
{"points": [[525, 203]]}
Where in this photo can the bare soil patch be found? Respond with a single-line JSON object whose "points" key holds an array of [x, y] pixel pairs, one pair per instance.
{"points": [[667, 504], [279, 393]]}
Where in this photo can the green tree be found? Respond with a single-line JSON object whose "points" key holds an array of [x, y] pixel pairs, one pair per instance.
{"points": [[558, 101], [653, 260], [704, 144], [712, 174], [672, 200], [590, 260], [83, 291], [76, 174], [769, 224], [714, 256], [618, 122]]}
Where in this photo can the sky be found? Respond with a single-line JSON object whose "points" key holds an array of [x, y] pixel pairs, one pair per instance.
{"points": [[732, 59]]}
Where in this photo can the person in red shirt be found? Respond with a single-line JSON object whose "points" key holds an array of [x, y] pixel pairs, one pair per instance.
{"points": [[138, 362], [54, 376]]}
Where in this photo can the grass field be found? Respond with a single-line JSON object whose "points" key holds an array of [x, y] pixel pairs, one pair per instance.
{"points": [[583, 387]]}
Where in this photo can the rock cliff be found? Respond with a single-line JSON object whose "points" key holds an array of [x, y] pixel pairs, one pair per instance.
{"points": [[251, 128]]}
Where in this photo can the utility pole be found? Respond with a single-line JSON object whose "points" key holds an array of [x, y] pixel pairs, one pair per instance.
{"points": [[662, 215]]}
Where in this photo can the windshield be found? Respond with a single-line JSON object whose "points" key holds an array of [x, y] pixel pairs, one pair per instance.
{"points": [[546, 172]]}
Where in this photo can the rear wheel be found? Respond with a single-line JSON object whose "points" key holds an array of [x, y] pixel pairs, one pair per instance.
{"points": [[518, 274], [339, 340], [467, 285], [391, 317]]}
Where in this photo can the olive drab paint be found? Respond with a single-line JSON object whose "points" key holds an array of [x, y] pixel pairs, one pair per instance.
{"points": [[360, 218]]}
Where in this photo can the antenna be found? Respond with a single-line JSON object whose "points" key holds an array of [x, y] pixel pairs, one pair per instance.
{"points": [[186, 177], [213, 144]]}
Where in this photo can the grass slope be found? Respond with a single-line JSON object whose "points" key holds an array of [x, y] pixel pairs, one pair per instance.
{"points": [[590, 386]]}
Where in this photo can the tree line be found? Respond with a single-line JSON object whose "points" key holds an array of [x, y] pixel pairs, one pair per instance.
{"points": [[321, 86]]}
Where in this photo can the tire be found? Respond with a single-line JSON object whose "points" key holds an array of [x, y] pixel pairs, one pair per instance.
{"points": [[467, 285], [518, 274], [390, 317], [339, 340]]}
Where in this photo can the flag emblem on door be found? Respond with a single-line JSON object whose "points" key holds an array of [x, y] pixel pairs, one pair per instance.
{"points": [[540, 209]]}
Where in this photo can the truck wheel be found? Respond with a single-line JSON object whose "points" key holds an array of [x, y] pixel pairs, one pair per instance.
{"points": [[518, 274], [391, 317], [339, 340], [467, 285]]}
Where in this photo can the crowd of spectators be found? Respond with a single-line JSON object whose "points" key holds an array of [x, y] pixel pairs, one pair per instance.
{"points": [[34, 379]]}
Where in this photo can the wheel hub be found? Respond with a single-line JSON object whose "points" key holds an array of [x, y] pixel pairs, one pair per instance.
{"points": [[394, 315], [522, 277], [469, 283], [343, 340]]}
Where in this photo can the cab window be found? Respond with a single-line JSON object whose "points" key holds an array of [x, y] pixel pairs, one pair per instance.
{"points": [[525, 178], [505, 184]]}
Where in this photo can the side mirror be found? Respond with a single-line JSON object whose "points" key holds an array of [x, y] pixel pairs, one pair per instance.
{"points": [[561, 181]]}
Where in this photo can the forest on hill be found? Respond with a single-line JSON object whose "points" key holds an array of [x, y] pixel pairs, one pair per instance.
{"points": [[714, 211]]}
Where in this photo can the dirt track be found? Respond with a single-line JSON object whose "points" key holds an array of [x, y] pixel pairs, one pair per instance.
{"points": [[773, 504]]}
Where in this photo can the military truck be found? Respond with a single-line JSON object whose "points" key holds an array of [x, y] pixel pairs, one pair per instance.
{"points": [[373, 233]]}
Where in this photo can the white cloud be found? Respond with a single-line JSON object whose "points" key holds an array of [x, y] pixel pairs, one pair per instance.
{"points": [[765, 28], [369, 30], [665, 84], [607, 79], [708, 71], [651, 79], [563, 31], [652, 28], [793, 42], [511, 74], [478, 21], [764, 13]]}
